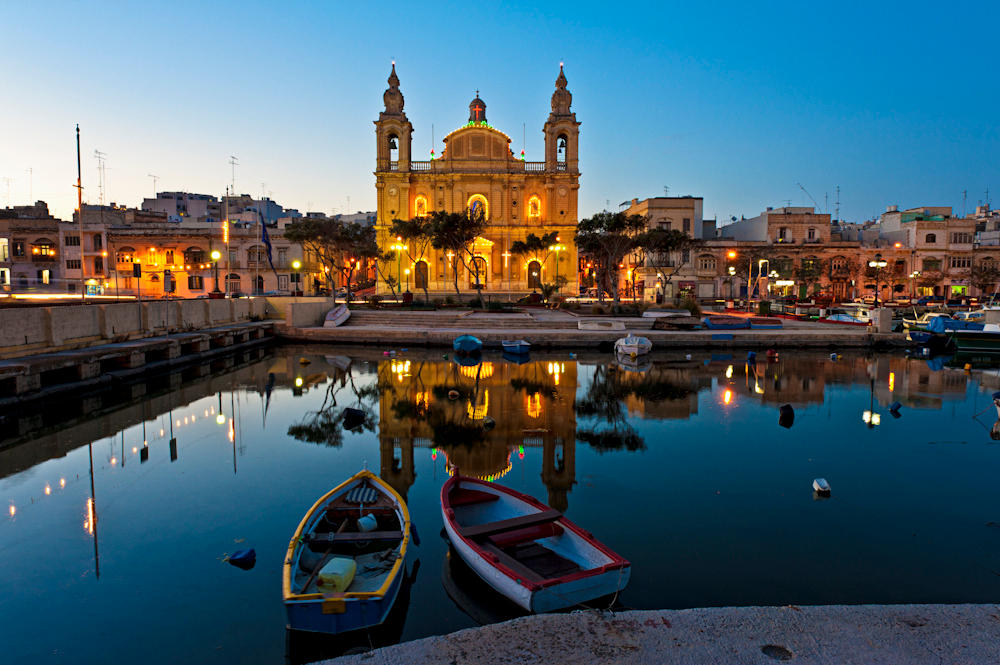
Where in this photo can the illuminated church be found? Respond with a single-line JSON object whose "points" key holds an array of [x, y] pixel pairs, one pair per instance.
{"points": [[478, 170]]}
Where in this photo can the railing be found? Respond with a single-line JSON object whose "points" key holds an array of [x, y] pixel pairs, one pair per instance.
{"points": [[561, 166], [393, 166], [420, 166], [534, 167]]}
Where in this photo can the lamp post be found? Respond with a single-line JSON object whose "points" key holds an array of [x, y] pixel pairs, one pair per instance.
{"points": [[556, 248], [296, 290], [913, 289], [216, 255], [399, 248], [869, 417], [878, 263], [407, 273]]}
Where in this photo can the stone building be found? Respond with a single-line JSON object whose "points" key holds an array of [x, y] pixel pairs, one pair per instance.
{"points": [[30, 251], [478, 170]]}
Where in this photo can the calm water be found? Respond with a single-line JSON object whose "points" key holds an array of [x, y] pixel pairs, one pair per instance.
{"points": [[680, 465]]}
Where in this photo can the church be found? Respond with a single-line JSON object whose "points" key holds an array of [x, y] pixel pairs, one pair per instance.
{"points": [[477, 170]]}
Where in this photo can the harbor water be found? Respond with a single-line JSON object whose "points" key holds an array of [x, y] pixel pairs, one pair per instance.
{"points": [[121, 508]]}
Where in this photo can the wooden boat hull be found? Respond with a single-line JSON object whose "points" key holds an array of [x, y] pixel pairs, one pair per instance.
{"points": [[608, 572], [726, 323], [337, 316], [341, 612], [518, 347]]}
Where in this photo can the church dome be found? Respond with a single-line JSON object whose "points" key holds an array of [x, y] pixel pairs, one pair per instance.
{"points": [[477, 109]]}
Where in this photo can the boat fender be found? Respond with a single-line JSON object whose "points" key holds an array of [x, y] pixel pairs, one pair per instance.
{"points": [[367, 523]]}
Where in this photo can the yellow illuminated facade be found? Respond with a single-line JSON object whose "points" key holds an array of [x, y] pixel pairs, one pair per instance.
{"points": [[479, 171]]}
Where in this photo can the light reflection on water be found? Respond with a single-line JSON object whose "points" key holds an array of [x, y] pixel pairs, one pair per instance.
{"points": [[679, 463]]}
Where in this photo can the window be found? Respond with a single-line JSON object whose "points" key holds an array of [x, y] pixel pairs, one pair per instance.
{"points": [[685, 256], [930, 239], [663, 225], [259, 284], [534, 275], [811, 234], [168, 257], [810, 265], [989, 262], [282, 282], [838, 264], [98, 241], [687, 225], [43, 276], [283, 257], [534, 209], [961, 262], [233, 283], [4, 277], [196, 283], [706, 262], [562, 144], [42, 250], [420, 275], [477, 203], [151, 257], [783, 234], [98, 264], [931, 265], [420, 207], [4, 249], [961, 238], [18, 248], [194, 255], [256, 255], [125, 255], [72, 241], [73, 264], [234, 258]]}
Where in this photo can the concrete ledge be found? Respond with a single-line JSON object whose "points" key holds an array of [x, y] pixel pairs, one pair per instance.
{"points": [[840, 634]]}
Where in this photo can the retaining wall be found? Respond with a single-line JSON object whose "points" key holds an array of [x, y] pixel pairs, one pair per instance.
{"points": [[29, 330]]}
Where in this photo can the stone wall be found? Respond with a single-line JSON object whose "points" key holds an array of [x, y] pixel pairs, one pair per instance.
{"points": [[24, 331]]}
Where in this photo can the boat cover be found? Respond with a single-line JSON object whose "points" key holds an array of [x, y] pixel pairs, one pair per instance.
{"points": [[943, 324]]}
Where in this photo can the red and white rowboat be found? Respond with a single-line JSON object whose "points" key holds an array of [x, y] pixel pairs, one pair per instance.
{"points": [[527, 551]]}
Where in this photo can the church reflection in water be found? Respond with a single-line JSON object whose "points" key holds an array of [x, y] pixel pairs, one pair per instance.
{"points": [[479, 417]]}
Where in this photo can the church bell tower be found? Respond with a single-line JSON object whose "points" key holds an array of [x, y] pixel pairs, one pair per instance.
{"points": [[393, 131], [562, 131]]}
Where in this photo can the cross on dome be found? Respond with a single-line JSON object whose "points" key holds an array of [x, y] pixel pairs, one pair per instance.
{"points": [[477, 109]]}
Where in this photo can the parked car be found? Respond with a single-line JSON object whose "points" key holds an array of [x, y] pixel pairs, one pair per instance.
{"points": [[930, 300]]}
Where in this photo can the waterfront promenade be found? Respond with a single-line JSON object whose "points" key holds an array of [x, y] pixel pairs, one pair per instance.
{"points": [[827, 635], [559, 329]]}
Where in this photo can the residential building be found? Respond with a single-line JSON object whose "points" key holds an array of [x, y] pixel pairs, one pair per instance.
{"points": [[30, 252]]}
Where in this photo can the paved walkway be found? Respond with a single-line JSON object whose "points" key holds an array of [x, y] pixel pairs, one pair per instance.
{"points": [[827, 635]]}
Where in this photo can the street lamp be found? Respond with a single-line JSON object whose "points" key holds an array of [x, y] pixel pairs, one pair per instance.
{"points": [[556, 248], [913, 290], [216, 255], [878, 263], [399, 248], [297, 277], [869, 417], [407, 273]]}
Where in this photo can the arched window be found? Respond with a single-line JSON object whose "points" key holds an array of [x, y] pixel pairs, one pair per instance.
{"points": [[477, 203], [931, 239], [256, 255], [478, 268], [233, 283], [420, 206], [838, 265], [534, 275], [125, 255], [194, 255], [562, 147], [259, 286], [420, 275], [534, 209]]}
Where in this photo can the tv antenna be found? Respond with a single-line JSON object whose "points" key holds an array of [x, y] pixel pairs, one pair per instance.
{"points": [[101, 159], [807, 194], [666, 191], [965, 196], [837, 214], [155, 179], [234, 162]]}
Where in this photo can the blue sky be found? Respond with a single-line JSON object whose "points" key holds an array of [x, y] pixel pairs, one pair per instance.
{"points": [[897, 103]]}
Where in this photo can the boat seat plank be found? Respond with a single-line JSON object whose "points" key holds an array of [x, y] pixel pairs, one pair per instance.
{"points": [[531, 533], [543, 561], [355, 536], [490, 528], [513, 564], [466, 497]]}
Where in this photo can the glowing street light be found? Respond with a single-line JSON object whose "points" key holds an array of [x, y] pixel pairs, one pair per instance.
{"points": [[877, 263], [216, 255]]}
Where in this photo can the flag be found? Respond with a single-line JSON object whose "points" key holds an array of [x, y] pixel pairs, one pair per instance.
{"points": [[264, 238]]}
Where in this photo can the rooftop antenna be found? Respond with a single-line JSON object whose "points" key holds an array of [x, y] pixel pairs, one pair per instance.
{"points": [[666, 191], [837, 214], [987, 197], [155, 178], [788, 203], [234, 162], [101, 157], [965, 196], [807, 194], [826, 201]]}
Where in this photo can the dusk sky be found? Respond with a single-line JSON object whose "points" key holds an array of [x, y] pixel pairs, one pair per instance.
{"points": [[897, 103]]}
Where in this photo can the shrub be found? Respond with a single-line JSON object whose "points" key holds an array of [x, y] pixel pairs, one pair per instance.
{"points": [[691, 305], [449, 300], [438, 302], [476, 303], [597, 309]]}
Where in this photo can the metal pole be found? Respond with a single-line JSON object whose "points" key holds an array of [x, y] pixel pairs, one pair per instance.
{"points": [[79, 215]]}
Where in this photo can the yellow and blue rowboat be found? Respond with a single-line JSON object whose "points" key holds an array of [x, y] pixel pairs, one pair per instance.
{"points": [[331, 529]]}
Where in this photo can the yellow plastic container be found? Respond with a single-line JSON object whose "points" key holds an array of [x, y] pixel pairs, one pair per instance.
{"points": [[336, 575]]}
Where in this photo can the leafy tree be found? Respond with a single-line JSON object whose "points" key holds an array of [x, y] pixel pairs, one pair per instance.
{"points": [[607, 237], [664, 251], [984, 276], [418, 234], [455, 232], [339, 247], [382, 263]]}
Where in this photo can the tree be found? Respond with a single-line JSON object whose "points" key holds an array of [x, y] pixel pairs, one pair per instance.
{"points": [[534, 246], [338, 246], [660, 248], [984, 276], [607, 237], [382, 262], [810, 270], [455, 233], [418, 234]]}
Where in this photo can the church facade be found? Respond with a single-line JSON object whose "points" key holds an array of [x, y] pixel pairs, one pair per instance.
{"points": [[477, 170]]}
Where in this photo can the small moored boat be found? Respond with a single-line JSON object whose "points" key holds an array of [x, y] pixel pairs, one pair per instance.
{"points": [[724, 322], [765, 323], [516, 346], [527, 551], [467, 344], [337, 316], [346, 560], [633, 345]]}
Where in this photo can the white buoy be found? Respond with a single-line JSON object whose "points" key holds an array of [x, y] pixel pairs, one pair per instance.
{"points": [[821, 486]]}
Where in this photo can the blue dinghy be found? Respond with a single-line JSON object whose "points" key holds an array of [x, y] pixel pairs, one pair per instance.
{"points": [[467, 344]]}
